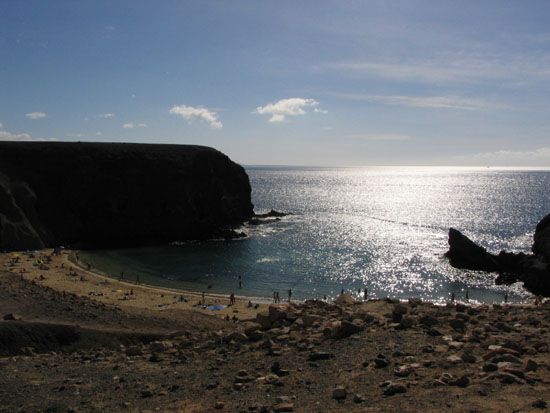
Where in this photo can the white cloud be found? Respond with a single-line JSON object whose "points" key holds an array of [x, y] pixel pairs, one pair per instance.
{"points": [[131, 125], [107, 115], [286, 107], [36, 115], [433, 102], [536, 157], [318, 110], [199, 113], [382, 137], [8, 136]]}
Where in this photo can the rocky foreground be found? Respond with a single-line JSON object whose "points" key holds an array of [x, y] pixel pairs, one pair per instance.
{"points": [[65, 353]]}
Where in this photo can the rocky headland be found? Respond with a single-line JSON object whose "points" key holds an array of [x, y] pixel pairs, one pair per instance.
{"points": [[531, 269], [97, 195]]}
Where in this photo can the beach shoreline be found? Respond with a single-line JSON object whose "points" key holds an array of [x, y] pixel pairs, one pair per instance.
{"points": [[66, 272]]}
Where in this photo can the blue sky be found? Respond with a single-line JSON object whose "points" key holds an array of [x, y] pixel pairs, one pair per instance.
{"points": [[285, 82]]}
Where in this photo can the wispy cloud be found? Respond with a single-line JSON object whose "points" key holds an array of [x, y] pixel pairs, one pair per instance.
{"points": [[199, 113], [107, 115], [434, 102], [35, 115], [283, 108], [453, 68], [131, 125], [381, 137], [536, 157]]}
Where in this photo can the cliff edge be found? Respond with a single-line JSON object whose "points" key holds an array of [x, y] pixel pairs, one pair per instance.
{"points": [[94, 195]]}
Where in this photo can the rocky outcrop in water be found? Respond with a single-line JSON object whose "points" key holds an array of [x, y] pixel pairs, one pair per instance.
{"points": [[94, 195], [531, 269]]}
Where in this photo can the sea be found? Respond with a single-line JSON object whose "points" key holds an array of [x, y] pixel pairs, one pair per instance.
{"points": [[379, 229]]}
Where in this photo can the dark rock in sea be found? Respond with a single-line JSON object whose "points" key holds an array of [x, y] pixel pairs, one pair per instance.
{"points": [[95, 195], [532, 270], [272, 214], [464, 253]]}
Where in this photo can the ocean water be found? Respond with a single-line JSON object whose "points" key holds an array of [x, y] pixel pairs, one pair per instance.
{"points": [[380, 228]]}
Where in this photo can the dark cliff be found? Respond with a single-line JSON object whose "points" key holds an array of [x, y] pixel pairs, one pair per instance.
{"points": [[93, 195]]}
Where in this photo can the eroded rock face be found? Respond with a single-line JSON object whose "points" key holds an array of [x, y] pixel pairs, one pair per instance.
{"points": [[464, 253], [541, 246], [532, 270], [90, 195]]}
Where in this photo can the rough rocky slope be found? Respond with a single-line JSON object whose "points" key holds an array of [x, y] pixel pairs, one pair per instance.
{"points": [[113, 194]]}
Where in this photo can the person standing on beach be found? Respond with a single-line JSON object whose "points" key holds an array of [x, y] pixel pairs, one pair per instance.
{"points": [[232, 299], [289, 294], [274, 297]]}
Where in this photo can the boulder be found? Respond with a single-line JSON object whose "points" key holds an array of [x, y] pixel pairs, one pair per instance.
{"points": [[263, 319]]}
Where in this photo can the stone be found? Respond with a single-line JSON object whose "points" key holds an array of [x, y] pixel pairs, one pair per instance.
{"points": [[468, 357], [405, 323], [429, 320], [12, 317], [155, 358], [146, 393], [348, 328], [458, 325], [394, 388], [403, 371], [539, 404], [531, 365], [358, 398], [320, 355], [463, 381], [508, 378], [219, 405], [237, 337], [454, 359], [263, 320], [433, 332], [283, 407], [339, 393], [277, 312], [132, 351], [381, 361], [160, 346]]}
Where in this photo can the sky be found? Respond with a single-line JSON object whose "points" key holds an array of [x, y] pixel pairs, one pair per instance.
{"points": [[327, 83]]}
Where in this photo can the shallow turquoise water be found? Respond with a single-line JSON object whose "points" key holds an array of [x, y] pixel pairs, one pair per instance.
{"points": [[383, 228]]}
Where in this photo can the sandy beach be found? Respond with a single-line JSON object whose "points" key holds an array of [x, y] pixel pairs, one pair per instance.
{"points": [[64, 272]]}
